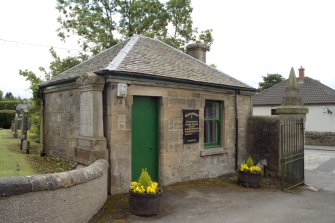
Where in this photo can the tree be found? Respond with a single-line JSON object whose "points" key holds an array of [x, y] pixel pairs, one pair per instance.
{"points": [[1, 94], [59, 65], [92, 20], [146, 17], [9, 96], [98, 23], [269, 80]]}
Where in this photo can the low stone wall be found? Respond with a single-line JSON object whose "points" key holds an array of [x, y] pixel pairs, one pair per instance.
{"points": [[73, 196], [320, 138]]}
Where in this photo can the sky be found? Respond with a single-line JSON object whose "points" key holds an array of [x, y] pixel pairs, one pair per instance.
{"points": [[251, 38]]}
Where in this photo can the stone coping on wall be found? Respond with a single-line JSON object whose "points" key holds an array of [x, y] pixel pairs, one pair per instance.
{"points": [[24, 184]]}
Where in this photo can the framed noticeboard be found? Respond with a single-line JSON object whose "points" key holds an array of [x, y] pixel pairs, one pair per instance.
{"points": [[190, 126]]}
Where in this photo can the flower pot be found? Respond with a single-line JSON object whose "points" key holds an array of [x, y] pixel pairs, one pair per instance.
{"points": [[144, 204], [249, 179]]}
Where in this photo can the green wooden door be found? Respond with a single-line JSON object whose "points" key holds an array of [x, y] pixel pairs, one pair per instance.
{"points": [[145, 137]]}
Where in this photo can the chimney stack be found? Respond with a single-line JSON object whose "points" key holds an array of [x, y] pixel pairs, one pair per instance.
{"points": [[301, 74], [197, 51]]}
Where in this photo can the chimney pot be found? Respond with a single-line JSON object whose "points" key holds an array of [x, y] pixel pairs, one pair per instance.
{"points": [[301, 74], [197, 51]]}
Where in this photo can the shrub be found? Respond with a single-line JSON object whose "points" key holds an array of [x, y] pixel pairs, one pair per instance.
{"points": [[9, 104], [144, 184], [145, 179], [250, 162], [6, 117]]}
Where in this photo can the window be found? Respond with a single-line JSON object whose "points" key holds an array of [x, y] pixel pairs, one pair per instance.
{"points": [[212, 125]]}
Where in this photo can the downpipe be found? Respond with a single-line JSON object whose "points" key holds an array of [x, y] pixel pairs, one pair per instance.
{"points": [[236, 130]]}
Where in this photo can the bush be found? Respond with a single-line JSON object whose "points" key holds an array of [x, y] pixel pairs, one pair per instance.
{"points": [[250, 162], [6, 117], [9, 105], [145, 178]]}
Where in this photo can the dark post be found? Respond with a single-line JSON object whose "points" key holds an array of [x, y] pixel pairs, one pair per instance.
{"points": [[15, 135], [24, 132]]}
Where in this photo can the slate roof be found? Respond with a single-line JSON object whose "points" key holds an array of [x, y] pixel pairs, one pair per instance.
{"points": [[144, 55], [312, 92]]}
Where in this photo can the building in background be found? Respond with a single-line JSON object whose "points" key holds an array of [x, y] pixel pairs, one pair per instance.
{"points": [[317, 97]]}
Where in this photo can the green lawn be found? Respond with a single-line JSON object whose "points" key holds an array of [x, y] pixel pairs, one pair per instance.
{"points": [[12, 161]]}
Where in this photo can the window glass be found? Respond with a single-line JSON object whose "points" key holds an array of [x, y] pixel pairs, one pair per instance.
{"points": [[212, 125]]}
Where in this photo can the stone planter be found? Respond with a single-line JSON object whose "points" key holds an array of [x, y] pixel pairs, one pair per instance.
{"points": [[249, 179], [143, 204]]}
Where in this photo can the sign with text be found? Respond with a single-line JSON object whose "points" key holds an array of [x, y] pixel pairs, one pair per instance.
{"points": [[190, 125]]}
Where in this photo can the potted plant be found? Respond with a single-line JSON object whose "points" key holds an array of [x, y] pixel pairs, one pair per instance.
{"points": [[144, 196], [249, 175]]}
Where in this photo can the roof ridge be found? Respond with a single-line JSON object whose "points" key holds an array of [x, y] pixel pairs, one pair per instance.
{"points": [[268, 89], [324, 88], [115, 63], [327, 93], [195, 59], [312, 91]]}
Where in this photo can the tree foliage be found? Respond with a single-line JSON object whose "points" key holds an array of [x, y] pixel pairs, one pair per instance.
{"points": [[146, 17], [9, 96], [101, 24], [59, 65], [269, 80]]}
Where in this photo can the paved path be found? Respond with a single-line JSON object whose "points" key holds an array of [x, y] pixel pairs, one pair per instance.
{"points": [[320, 168], [219, 204]]}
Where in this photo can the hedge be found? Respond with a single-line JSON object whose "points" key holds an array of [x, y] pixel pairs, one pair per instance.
{"points": [[9, 105], [6, 117]]}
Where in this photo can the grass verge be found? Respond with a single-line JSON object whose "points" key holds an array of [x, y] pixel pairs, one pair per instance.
{"points": [[14, 162]]}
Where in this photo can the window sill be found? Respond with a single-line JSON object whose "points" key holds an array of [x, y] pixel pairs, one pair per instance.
{"points": [[212, 151]]}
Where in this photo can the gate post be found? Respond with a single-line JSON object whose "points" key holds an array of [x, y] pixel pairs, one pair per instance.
{"points": [[292, 106], [292, 116]]}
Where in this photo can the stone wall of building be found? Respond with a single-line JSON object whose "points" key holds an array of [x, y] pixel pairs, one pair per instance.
{"points": [[320, 138], [61, 121], [177, 161]]}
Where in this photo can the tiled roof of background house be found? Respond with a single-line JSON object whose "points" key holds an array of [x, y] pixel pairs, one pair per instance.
{"points": [[312, 92], [149, 56]]}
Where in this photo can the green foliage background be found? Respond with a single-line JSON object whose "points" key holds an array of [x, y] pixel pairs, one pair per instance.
{"points": [[269, 80], [9, 104], [6, 117]]}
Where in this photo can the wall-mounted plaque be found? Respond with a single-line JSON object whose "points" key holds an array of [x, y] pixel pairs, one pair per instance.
{"points": [[190, 125]]}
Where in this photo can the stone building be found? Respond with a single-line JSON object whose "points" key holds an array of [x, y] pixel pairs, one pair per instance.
{"points": [[143, 104]]}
